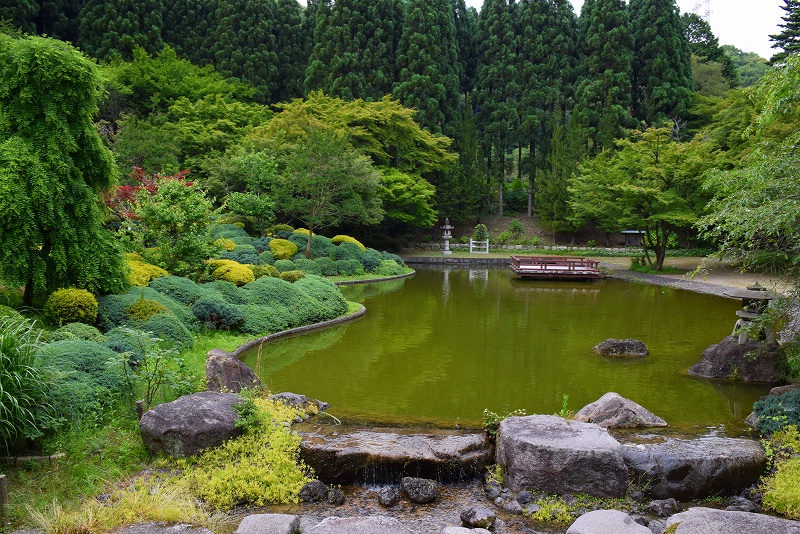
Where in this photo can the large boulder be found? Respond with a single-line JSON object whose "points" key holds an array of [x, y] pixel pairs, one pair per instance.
{"points": [[695, 469], [752, 361], [612, 410], [621, 347], [359, 525], [272, 523], [606, 522], [186, 426], [224, 372], [710, 521], [386, 457], [552, 454]]}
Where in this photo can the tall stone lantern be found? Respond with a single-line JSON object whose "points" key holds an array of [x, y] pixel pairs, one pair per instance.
{"points": [[447, 236]]}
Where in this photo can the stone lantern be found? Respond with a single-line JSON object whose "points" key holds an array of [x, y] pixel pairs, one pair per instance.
{"points": [[447, 236], [755, 300]]}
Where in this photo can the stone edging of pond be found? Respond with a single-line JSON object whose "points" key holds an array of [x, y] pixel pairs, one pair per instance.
{"points": [[374, 280]]}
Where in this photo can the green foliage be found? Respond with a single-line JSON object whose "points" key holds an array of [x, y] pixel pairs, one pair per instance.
{"points": [[227, 230], [71, 306], [21, 382], [140, 272], [258, 468], [263, 270], [258, 171], [308, 266], [233, 272], [750, 67], [292, 276], [325, 293], [349, 267], [169, 328], [112, 308], [261, 320], [407, 199], [781, 491], [481, 233], [111, 29], [787, 39], [491, 421], [52, 166], [327, 266], [180, 289], [142, 309], [776, 412], [339, 239], [216, 314], [231, 292], [552, 509], [285, 265], [282, 249], [389, 268], [565, 412], [76, 331]]}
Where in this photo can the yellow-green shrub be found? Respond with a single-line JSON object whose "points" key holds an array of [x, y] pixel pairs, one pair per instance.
{"points": [[303, 231], [235, 273], [216, 263], [282, 228], [339, 239], [264, 270], [292, 276], [71, 306], [225, 244], [142, 309], [258, 468], [140, 272], [781, 491], [282, 249]]}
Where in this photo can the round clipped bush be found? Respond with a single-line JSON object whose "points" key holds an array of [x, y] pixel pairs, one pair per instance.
{"points": [[140, 272], [349, 267], [142, 309], [301, 240], [292, 276], [303, 231], [242, 256], [102, 364], [181, 289], [370, 262], [225, 244], [263, 320], [282, 249], [227, 231], [389, 268], [112, 308], [326, 293], [264, 270], [126, 342], [232, 293], [308, 266], [71, 306], [261, 243], [267, 258], [339, 239], [81, 331], [389, 256], [216, 314], [776, 412], [348, 251], [282, 228], [285, 265], [235, 273], [168, 328], [327, 266]]}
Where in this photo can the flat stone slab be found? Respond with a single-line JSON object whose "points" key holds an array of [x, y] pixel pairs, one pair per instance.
{"points": [[359, 525], [710, 521], [271, 523], [695, 469], [606, 522], [162, 528], [387, 457], [548, 453]]}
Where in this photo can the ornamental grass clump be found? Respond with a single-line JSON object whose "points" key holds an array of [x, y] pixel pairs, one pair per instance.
{"points": [[262, 466]]}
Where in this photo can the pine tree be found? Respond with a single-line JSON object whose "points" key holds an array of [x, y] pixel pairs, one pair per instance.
{"points": [[59, 19], [21, 14], [466, 21], [428, 61], [113, 28], [290, 46], [603, 99], [189, 26], [496, 87], [788, 40], [705, 45], [662, 68], [244, 44], [355, 43]]}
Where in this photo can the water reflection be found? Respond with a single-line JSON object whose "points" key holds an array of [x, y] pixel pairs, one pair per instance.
{"points": [[443, 345]]}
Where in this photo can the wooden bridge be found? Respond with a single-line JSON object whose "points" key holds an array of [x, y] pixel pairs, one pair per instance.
{"points": [[555, 267]]}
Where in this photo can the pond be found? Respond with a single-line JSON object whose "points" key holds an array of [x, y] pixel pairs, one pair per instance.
{"points": [[438, 348]]}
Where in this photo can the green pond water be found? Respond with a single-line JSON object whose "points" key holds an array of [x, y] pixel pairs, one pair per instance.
{"points": [[439, 347]]}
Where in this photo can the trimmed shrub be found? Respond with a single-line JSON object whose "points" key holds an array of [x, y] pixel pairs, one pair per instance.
{"points": [[274, 292], [370, 259], [389, 256], [325, 293], [776, 412], [242, 256], [267, 258], [339, 239], [389, 268], [263, 320], [126, 342], [140, 272], [230, 292], [303, 231], [245, 248], [227, 231], [301, 240], [292, 276], [348, 251], [282, 228], [167, 327], [235, 273], [285, 265], [71, 306], [142, 309], [111, 311], [327, 266], [263, 270], [80, 331], [349, 267], [261, 243], [282, 249], [225, 244], [181, 289], [101, 365], [308, 266], [299, 256], [217, 314]]}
